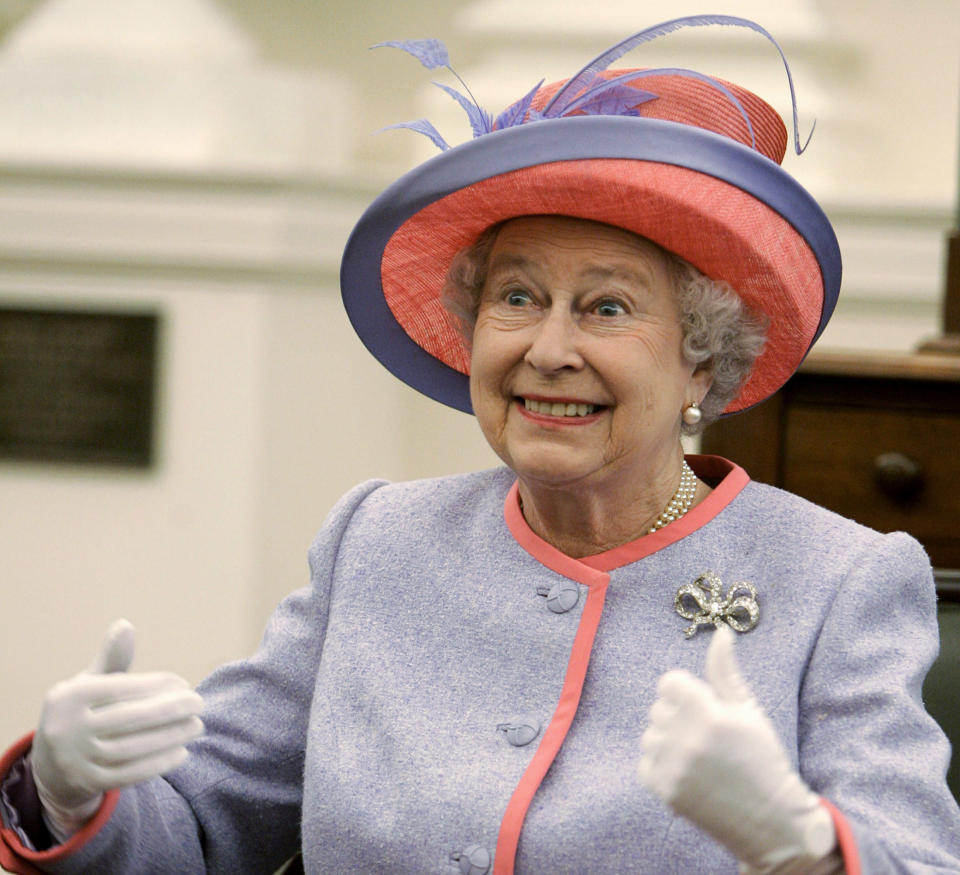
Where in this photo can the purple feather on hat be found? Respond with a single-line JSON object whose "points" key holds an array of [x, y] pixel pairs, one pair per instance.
{"points": [[609, 97], [516, 113], [586, 91], [480, 119], [422, 126], [559, 103], [432, 53]]}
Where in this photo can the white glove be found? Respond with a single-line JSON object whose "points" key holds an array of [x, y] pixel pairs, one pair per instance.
{"points": [[713, 756], [105, 729]]}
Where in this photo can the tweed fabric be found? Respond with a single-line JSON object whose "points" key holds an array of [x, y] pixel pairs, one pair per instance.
{"points": [[366, 723]]}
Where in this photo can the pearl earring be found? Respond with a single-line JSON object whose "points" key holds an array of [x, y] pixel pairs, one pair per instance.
{"points": [[692, 414]]}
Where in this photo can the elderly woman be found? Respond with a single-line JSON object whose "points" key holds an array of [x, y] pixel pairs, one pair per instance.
{"points": [[533, 669]]}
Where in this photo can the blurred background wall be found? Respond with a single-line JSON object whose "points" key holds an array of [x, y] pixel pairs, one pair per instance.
{"points": [[204, 160]]}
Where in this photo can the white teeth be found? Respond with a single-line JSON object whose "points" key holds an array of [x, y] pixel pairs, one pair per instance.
{"points": [[551, 408]]}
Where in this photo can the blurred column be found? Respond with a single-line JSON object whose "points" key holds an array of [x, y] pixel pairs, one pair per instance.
{"points": [[150, 161]]}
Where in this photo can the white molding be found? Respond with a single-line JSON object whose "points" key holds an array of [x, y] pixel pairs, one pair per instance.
{"points": [[280, 231], [292, 232], [893, 256], [177, 86], [124, 28]]}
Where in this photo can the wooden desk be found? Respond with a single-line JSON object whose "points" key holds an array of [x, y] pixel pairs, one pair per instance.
{"points": [[873, 437]]}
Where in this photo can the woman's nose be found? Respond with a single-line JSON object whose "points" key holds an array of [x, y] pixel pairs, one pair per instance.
{"points": [[554, 344]]}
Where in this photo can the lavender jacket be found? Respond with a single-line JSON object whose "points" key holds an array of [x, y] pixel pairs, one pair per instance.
{"points": [[450, 691]]}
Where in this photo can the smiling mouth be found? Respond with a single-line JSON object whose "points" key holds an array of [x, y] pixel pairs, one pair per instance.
{"points": [[560, 408]]}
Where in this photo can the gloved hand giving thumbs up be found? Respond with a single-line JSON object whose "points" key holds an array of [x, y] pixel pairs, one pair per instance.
{"points": [[713, 756], [104, 729]]}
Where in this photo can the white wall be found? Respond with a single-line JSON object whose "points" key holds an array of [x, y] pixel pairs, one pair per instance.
{"points": [[334, 417], [174, 547]]}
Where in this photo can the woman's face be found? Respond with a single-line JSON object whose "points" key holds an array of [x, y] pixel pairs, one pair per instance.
{"points": [[576, 373]]}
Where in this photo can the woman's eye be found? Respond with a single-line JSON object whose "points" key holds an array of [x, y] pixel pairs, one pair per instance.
{"points": [[517, 298], [609, 308]]}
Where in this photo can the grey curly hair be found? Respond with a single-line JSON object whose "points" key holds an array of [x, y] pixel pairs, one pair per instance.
{"points": [[719, 331]]}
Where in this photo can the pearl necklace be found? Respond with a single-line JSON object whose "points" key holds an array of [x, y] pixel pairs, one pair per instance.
{"points": [[681, 501]]}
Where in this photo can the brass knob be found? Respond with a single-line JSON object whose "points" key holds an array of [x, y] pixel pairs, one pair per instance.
{"points": [[898, 476]]}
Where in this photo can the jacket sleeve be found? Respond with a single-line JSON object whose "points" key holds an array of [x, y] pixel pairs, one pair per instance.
{"points": [[234, 806], [866, 743]]}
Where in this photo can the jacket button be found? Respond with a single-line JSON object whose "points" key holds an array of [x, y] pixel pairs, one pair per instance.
{"points": [[520, 730], [561, 597], [473, 860]]}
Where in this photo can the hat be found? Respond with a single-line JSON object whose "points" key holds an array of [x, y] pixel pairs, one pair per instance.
{"points": [[689, 162]]}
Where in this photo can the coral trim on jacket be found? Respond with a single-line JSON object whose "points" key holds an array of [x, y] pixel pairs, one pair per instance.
{"points": [[593, 572], [732, 479], [556, 731], [17, 858], [846, 841]]}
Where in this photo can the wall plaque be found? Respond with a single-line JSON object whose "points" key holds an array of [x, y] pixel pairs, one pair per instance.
{"points": [[77, 386]]}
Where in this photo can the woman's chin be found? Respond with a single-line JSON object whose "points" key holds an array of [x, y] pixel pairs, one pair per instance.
{"points": [[552, 466]]}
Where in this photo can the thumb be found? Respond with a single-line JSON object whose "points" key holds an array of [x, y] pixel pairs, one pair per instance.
{"points": [[116, 652], [721, 669]]}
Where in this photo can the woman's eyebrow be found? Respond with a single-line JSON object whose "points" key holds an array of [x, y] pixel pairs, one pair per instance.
{"points": [[638, 273], [508, 260]]}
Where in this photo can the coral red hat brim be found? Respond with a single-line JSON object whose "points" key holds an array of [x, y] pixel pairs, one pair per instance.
{"points": [[730, 211]]}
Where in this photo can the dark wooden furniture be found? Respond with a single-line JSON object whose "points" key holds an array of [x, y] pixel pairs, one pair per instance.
{"points": [[942, 683], [873, 437], [949, 341], [876, 438]]}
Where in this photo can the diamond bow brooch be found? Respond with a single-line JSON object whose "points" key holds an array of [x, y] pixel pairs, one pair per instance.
{"points": [[703, 602]]}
